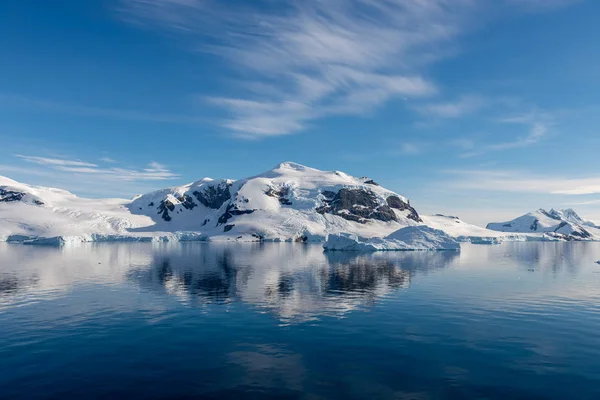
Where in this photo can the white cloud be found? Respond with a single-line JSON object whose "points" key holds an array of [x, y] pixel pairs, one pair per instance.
{"points": [[454, 109], [314, 58], [538, 123], [410, 149], [305, 60], [108, 160], [523, 182], [536, 133], [55, 161], [153, 172]]}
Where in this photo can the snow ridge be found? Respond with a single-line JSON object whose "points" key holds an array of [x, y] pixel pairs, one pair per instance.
{"points": [[553, 224], [290, 202]]}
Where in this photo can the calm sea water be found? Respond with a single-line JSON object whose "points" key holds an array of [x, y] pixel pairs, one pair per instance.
{"points": [[518, 320]]}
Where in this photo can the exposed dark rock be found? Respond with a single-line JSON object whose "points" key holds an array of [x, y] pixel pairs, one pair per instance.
{"points": [[328, 194], [151, 204], [578, 233], [7, 196], [228, 228], [164, 207], [187, 202], [232, 211], [371, 182], [397, 203], [213, 196], [534, 225], [360, 205], [281, 193]]}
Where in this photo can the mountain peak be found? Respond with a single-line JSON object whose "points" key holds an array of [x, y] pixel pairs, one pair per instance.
{"points": [[4, 181], [290, 165]]}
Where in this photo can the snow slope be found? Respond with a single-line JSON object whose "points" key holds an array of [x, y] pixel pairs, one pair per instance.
{"points": [[290, 202], [465, 232], [558, 224]]}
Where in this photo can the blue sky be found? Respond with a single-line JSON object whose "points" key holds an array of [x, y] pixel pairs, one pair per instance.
{"points": [[484, 109]]}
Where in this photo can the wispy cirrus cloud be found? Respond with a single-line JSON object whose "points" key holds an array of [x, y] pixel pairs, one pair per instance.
{"points": [[56, 162], [314, 58], [302, 61], [522, 181], [152, 172], [537, 123], [453, 109]]}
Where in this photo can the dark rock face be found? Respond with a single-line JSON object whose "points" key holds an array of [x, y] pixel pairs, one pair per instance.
{"points": [[281, 193], [397, 203], [7, 196], [187, 202], [371, 182], [232, 211], [357, 205], [213, 196], [228, 228], [577, 234], [164, 207], [534, 225]]}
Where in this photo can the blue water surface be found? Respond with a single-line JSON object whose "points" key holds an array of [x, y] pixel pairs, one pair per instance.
{"points": [[199, 320]]}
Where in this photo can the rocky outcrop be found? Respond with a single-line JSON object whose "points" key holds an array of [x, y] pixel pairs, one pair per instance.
{"points": [[397, 203], [281, 193], [7, 196], [213, 196], [187, 202], [231, 211], [164, 207], [358, 205]]}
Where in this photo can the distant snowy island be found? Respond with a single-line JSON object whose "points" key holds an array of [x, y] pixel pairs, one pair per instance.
{"points": [[291, 202]]}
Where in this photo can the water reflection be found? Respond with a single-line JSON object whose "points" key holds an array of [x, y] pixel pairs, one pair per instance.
{"points": [[293, 281], [554, 257]]}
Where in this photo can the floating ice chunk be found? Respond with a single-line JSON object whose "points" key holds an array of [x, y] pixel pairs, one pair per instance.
{"points": [[410, 238]]}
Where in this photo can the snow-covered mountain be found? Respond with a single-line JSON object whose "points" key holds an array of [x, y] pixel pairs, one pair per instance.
{"points": [[558, 224], [289, 202]]}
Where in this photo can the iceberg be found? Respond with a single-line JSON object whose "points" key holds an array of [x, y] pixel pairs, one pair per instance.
{"points": [[412, 238]]}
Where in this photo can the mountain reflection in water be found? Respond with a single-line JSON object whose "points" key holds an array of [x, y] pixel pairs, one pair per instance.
{"points": [[294, 281]]}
